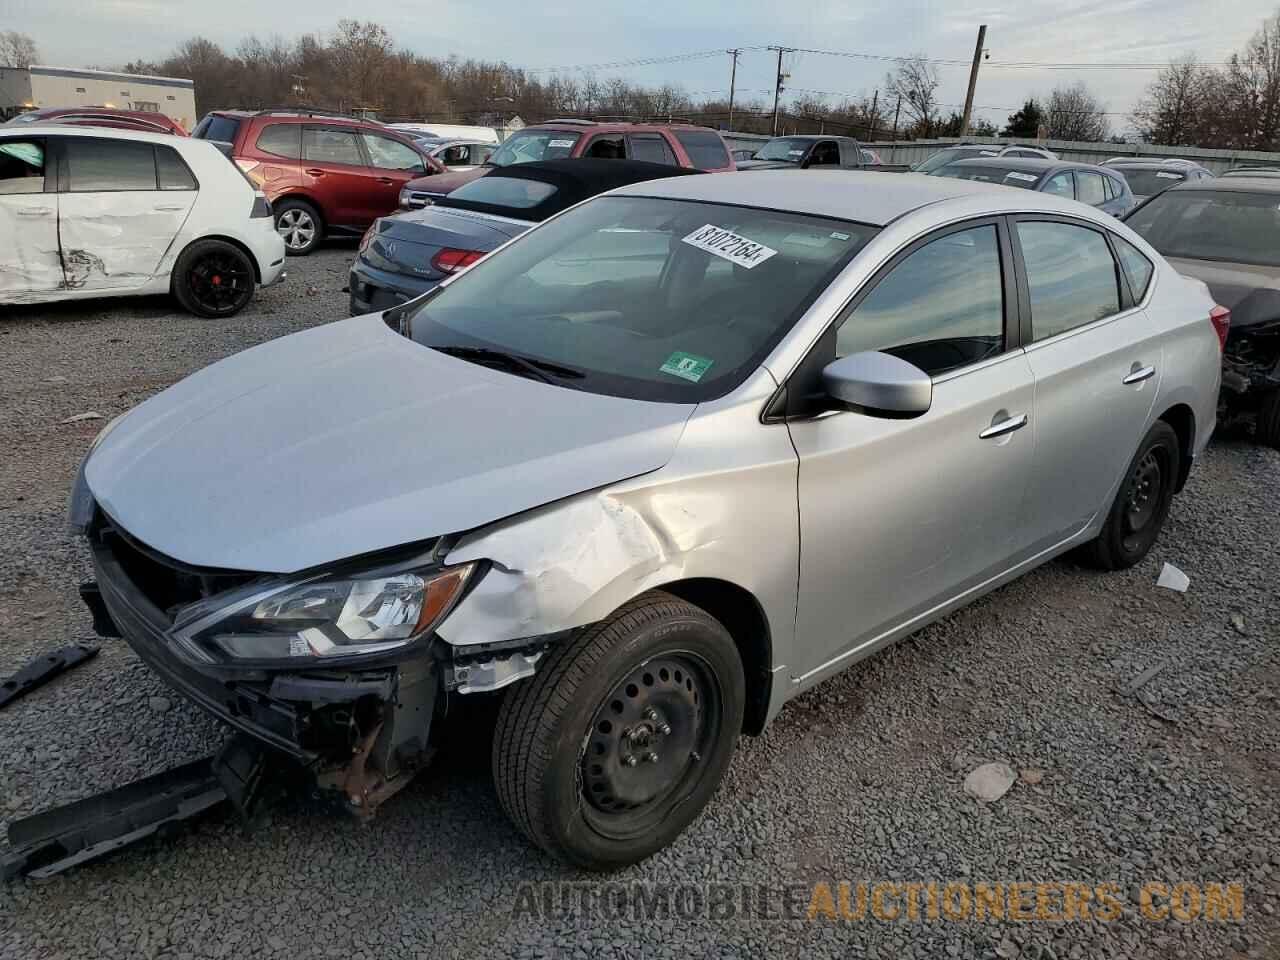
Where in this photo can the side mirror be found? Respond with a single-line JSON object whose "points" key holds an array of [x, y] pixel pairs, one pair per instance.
{"points": [[879, 384]]}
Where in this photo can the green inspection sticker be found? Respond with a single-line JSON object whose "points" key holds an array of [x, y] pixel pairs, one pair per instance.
{"points": [[686, 366]]}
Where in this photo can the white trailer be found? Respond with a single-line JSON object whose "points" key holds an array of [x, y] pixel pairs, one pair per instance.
{"points": [[30, 88]]}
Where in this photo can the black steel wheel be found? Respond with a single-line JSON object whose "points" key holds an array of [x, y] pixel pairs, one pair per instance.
{"points": [[213, 278], [1141, 504], [623, 735]]}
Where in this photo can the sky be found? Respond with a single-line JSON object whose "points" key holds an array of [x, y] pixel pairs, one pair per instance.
{"points": [[572, 33]]}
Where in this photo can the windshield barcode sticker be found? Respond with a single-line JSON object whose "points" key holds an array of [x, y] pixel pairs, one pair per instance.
{"points": [[559, 143], [1165, 175], [728, 245], [1026, 177]]}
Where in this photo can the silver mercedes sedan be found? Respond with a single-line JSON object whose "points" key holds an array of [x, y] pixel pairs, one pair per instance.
{"points": [[650, 470]]}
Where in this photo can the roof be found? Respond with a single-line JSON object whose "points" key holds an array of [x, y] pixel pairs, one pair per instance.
{"points": [[575, 180], [812, 136], [865, 197], [1151, 164], [40, 70], [612, 126], [1229, 185], [52, 128]]}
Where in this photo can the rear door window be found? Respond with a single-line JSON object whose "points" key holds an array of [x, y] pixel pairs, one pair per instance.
{"points": [[21, 166], [705, 148], [281, 140], [1089, 188], [1071, 275], [825, 154], [171, 172], [653, 148], [607, 148], [1137, 268], [331, 145], [94, 165], [1060, 185]]}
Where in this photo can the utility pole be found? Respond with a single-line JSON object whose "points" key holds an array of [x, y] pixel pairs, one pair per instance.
{"points": [[896, 110], [875, 99], [733, 79], [973, 81], [777, 87]]}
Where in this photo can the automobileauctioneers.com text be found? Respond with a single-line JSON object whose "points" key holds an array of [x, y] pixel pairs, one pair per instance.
{"points": [[884, 901]]}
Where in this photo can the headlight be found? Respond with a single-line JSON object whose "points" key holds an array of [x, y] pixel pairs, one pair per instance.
{"points": [[404, 198], [326, 616]]}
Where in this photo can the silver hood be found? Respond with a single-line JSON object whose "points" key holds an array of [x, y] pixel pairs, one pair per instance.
{"points": [[349, 438]]}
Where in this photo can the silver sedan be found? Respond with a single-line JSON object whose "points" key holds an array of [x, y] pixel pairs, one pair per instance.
{"points": [[650, 470]]}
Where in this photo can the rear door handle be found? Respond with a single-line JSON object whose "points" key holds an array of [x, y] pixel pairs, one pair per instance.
{"points": [[386, 180], [171, 207], [1142, 373], [1008, 425], [313, 172], [36, 212]]}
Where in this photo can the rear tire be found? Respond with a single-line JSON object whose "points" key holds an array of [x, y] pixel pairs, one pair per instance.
{"points": [[213, 278], [300, 225], [1267, 427], [623, 735], [1141, 504]]}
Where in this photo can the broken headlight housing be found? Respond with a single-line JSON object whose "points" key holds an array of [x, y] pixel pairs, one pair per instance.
{"points": [[322, 618]]}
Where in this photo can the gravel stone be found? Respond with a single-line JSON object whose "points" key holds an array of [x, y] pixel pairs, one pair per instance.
{"points": [[855, 780]]}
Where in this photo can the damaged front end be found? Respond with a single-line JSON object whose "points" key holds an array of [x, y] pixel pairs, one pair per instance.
{"points": [[339, 669]]}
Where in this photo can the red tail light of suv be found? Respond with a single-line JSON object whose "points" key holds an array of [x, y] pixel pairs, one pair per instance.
{"points": [[324, 173]]}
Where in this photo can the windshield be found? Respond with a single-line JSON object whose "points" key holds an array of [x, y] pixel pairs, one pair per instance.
{"points": [[990, 173], [943, 157], [1147, 183], [644, 298], [1203, 225], [790, 149], [530, 145]]}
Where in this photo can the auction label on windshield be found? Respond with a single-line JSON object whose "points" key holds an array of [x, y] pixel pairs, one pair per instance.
{"points": [[686, 366], [728, 245], [1024, 177]]}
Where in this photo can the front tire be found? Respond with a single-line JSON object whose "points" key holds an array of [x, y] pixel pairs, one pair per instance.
{"points": [[213, 278], [1267, 427], [299, 225], [623, 735], [1141, 504]]}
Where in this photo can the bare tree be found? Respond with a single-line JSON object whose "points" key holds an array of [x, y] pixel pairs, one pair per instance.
{"points": [[1171, 110], [1074, 113], [17, 49], [916, 83]]}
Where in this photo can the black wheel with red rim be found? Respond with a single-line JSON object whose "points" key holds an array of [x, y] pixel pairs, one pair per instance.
{"points": [[213, 278]]}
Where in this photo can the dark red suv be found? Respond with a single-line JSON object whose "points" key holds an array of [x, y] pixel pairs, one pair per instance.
{"points": [[148, 120], [675, 144], [324, 173]]}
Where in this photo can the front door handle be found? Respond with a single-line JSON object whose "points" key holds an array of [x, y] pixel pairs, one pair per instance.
{"points": [[1140, 374], [170, 207], [386, 180], [36, 212], [1007, 425]]}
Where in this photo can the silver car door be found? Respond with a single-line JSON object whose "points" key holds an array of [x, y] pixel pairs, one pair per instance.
{"points": [[115, 222], [897, 516], [30, 265], [1096, 359]]}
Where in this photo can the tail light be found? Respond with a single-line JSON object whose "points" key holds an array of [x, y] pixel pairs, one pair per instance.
{"points": [[451, 260], [1220, 317], [247, 165]]}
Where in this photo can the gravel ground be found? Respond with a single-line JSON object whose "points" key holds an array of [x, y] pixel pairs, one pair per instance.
{"points": [[859, 780]]}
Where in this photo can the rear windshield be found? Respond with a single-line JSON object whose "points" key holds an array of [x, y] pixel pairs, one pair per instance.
{"points": [[989, 173], [641, 297], [528, 146], [215, 127], [1204, 225], [1147, 183], [705, 149], [497, 191], [790, 149], [943, 157]]}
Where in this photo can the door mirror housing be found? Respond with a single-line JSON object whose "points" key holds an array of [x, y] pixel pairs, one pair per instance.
{"points": [[878, 384]]}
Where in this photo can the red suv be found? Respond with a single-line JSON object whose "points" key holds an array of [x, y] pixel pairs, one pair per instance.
{"points": [[675, 144], [323, 173]]}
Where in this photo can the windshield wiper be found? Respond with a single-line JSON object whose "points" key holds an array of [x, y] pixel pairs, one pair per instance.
{"points": [[542, 370]]}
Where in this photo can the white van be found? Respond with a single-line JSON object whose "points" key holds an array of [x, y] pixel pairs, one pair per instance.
{"points": [[450, 130]]}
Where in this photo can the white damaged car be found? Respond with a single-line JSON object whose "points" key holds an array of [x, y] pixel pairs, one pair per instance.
{"points": [[647, 471], [103, 211]]}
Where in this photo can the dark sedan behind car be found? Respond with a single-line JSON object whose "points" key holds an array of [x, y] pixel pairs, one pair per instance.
{"points": [[1096, 186], [1226, 232], [1146, 178], [405, 255]]}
